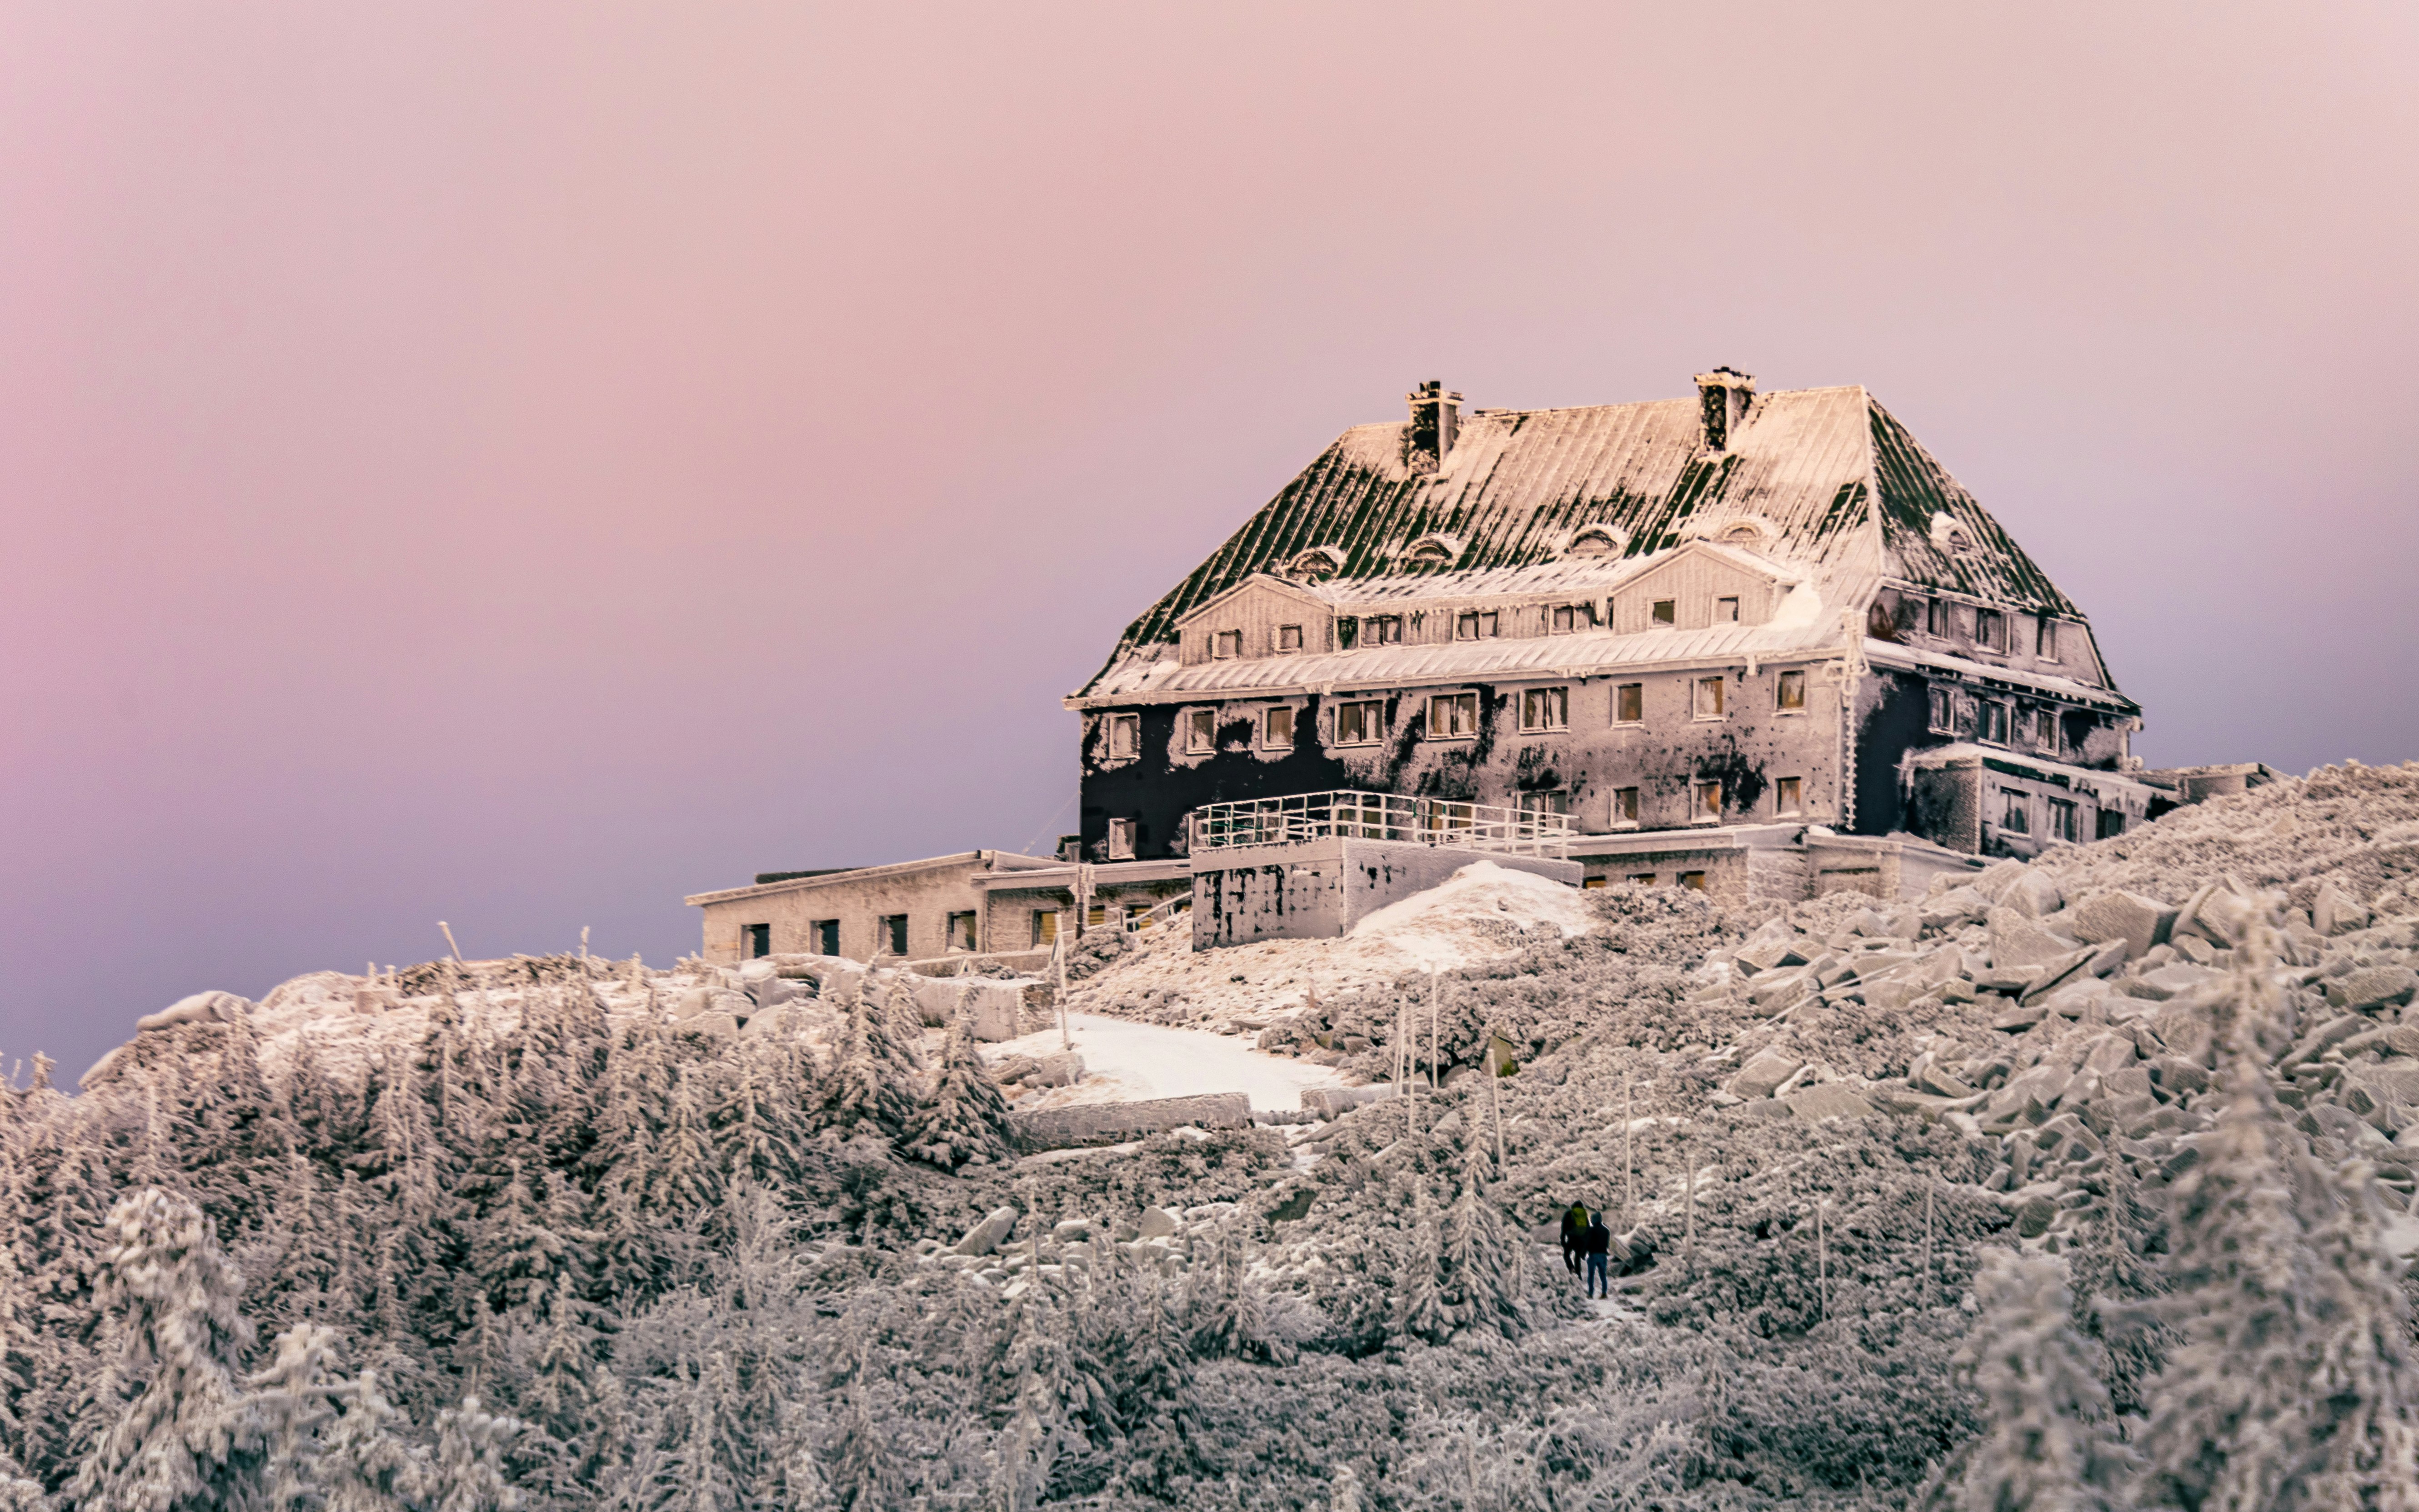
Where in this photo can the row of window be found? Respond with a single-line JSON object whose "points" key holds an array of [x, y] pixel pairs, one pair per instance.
{"points": [[1990, 721], [1451, 716], [2062, 817], [1468, 625], [890, 935], [1991, 630]]}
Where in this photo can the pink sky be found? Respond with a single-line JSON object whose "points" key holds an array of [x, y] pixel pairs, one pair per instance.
{"points": [[518, 465]]}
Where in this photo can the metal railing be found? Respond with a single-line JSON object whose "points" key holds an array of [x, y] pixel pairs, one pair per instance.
{"points": [[1136, 923], [1378, 816]]}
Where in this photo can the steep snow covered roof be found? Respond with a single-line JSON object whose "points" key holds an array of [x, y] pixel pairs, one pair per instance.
{"points": [[1841, 490]]}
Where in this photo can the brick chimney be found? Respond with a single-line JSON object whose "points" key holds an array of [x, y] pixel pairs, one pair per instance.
{"points": [[1435, 416], [1722, 396]]}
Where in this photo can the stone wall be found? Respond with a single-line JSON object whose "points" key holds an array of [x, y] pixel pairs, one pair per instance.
{"points": [[1093, 1122]]}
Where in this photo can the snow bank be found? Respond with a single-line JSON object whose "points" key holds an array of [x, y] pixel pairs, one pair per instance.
{"points": [[1124, 1060]]}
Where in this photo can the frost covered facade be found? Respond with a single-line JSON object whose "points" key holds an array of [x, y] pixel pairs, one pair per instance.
{"points": [[1738, 628]]}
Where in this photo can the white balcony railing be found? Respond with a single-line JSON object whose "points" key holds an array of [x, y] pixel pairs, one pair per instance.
{"points": [[1378, 816]]}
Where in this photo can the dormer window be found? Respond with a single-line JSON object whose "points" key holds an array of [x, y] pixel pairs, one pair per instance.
{"points": [[1990, 630], [1569, 618], [1726, 612], [1385, 629], [1595, 541], [1667, 611], [1744, 533], [1288, 639], [1315, 564], [1347, 633], [2046, 639], [1431, 551], [1476, 625], [1227, 645]]}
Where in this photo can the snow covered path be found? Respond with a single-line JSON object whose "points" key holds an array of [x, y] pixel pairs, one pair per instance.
{"points": [[1124, 1061]]}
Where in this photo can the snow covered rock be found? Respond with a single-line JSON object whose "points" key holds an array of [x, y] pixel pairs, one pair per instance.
{"points": [[2115, 914], [1761, 1076], [201, 1007]]}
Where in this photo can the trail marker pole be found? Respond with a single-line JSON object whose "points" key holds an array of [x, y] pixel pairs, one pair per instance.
{"points": [[1436, 1042], [1821, 1265], [1629, 1167], [1924, 1293]]}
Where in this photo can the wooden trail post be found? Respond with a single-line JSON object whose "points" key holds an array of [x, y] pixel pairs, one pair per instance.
{"points": [[1821, 1265], [1629, 1167], [1691, 1240], [1924, 1289], [1494, 1101], [1436, 1050]]}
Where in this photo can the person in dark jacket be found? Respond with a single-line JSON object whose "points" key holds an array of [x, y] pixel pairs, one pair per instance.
{"points": [[1574, 1226], [1597, 1244]]}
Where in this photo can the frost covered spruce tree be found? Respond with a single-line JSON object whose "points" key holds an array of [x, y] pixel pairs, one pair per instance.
{"points": [[965, 1119], [2052, 1444], [2288, 1386], [191, 1438]]}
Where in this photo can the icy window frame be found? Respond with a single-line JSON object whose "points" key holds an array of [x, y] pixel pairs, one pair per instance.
{"points": [[1789, 692], [1458, 704], [1544, 709]]}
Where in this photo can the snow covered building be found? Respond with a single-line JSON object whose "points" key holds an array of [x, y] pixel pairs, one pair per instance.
{"points": [[1740, 639]]}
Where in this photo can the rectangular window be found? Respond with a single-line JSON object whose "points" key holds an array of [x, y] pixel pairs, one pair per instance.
{"points": [[1944, 713], [2112, 821], [1362, 722], [1709, 802], [1125, 736], [1991, 723], [1347, 633], [1537, 803], [891, 937], [2045, 639], [1045, 927], [1276, 729], [1386, 630], [1667, 611], [1624, 806], [1793, 692], [1789, 795], [1990, 630], [1201, 730], [1563, 621], [760, 940], [2015, 813], [1229, 646], [1709, 697], [1453, 716], [1936, 617], [1629, 703], [1288, 639], [1692, 879], [2062, 825], [1726, 612], [824, 932], [1592, 884], [962, 931], [1474, 625], [2045, 730], [1122, 840], [1545, 708], [1645, 879]]}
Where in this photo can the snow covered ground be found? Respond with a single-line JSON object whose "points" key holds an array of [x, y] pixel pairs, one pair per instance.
{"points": [[1124, 1060]]}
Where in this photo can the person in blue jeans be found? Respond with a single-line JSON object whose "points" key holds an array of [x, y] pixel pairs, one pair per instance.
{"points": [[1596, 1243]]}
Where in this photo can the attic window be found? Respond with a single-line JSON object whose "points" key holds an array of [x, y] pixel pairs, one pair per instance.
{"points": [[1347, 633], [1476, 625], [1726, 612], [1288, 639], [1990, 630], [1386, 630], [1229, 645], [1431, 551], [1667, 611], [1568, 618], [1316, 563], [2046, 639], [1595, 541], [1743, 534]]}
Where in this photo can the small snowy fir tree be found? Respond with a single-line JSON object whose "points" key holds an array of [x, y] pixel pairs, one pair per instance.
{"points": [[363, 1466], [863, 1476], [2362, 1386], [292, 1397], [865, 1091], [469, 1474], [1479, 1265], [190, 1439], [965, 1121], [2050, 1442], [902, 1022], [2230, 1414], [1419, 1310]]}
